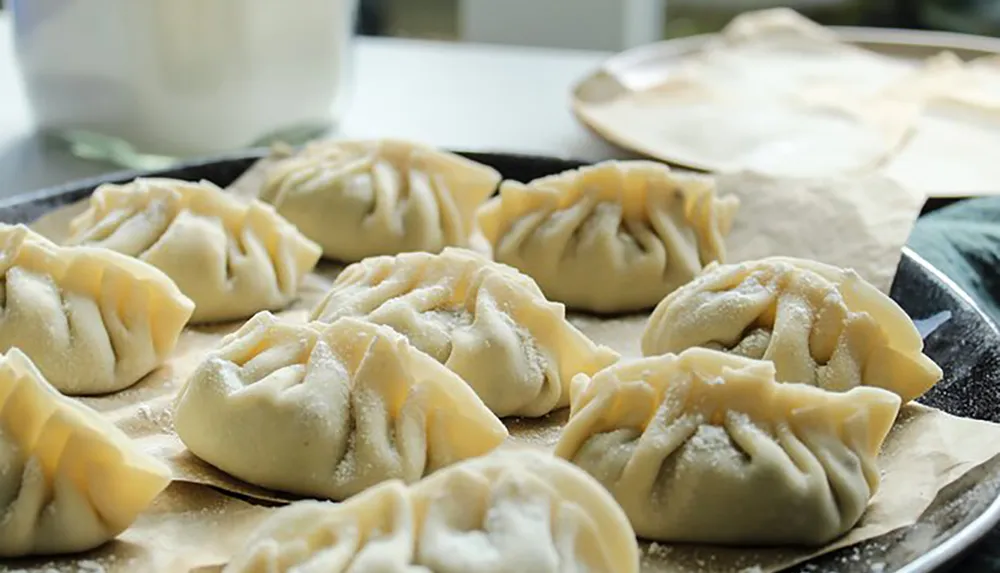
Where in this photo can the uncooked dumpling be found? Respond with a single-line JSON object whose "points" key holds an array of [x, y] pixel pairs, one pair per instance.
{"points": [[485, 321], [329, 410], [509, 512], [613, 237], [232, 258], [69, 480], [818, 324], [707, 447], [364, 198], [93, 321]]}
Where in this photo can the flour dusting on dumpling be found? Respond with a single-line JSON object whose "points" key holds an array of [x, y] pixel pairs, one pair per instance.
{"points": [[617, 236], [233, 258], [486, 321], [69, 480], [329, 410], [93, 321], [508, 512], [707, 447], [382, 197], [818, 324]]}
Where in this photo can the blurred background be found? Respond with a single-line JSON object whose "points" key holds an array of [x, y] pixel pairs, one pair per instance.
{"points": [[465, 20], [181, 87], [620, 24], [586, 23]]}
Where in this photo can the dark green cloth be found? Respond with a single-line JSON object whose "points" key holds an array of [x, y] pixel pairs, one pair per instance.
{"points": [[963, 241]]}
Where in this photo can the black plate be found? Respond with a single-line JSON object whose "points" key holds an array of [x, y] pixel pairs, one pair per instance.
{"points": [[958, 337]]}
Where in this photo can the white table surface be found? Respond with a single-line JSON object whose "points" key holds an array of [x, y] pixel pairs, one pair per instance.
{"points": [[459, 96]]}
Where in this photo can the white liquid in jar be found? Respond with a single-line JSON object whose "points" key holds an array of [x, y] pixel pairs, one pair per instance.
{"points": [[184, 77]]}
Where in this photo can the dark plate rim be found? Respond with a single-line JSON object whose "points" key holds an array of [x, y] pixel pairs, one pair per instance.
{"points": [[938, 558], [935, 559], [70, 187]]}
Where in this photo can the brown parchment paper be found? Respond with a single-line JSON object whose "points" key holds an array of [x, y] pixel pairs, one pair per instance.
{"points": [[188, 527], [193, 526], [858, 222]]}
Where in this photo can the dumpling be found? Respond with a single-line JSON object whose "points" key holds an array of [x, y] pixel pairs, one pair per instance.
{"points": [[328, 410], [818, 324], [485, 321], [364, 198], [707, 447], [509, 512], [232, 258], [612, 237], [93, 321], [69, 480]]}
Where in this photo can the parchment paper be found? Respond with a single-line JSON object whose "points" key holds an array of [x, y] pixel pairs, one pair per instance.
{"points": [[925, 451], [859, 222], [188, 526]]}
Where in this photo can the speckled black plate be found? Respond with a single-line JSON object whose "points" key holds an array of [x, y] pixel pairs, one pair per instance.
{"points": [[957, 334]]}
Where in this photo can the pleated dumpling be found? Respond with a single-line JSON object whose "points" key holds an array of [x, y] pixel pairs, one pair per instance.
{"points": [[231, 257], [69, 480], [708, 447], [94, 321], [329, 410], [485, 321], [365, 198], [818, 324], [612, 237], [509, 512]]}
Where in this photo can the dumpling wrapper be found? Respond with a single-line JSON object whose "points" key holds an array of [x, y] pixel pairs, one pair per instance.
{"points": [[824, 132], [774, 93], [617, 236], [487, 322], [953, 148], [508, 512], [953, 152], [328, 410], [778, 51], [707, 447], [358, 199], [820, 325], [233, 258], [92, 320], [69, 480]]}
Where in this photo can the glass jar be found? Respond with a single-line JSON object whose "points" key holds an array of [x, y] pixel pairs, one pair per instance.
{"points": [[141, 82]]}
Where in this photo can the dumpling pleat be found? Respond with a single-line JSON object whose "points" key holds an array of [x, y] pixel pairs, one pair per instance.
{"points": [[231, 257], [507, 512], [81, 481], [818, 325], [612, 237], [368, 198], [328, 410], [466, 311], [732, 456]]}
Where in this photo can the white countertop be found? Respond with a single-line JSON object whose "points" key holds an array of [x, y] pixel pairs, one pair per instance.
{"points": [[458, 96]]}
